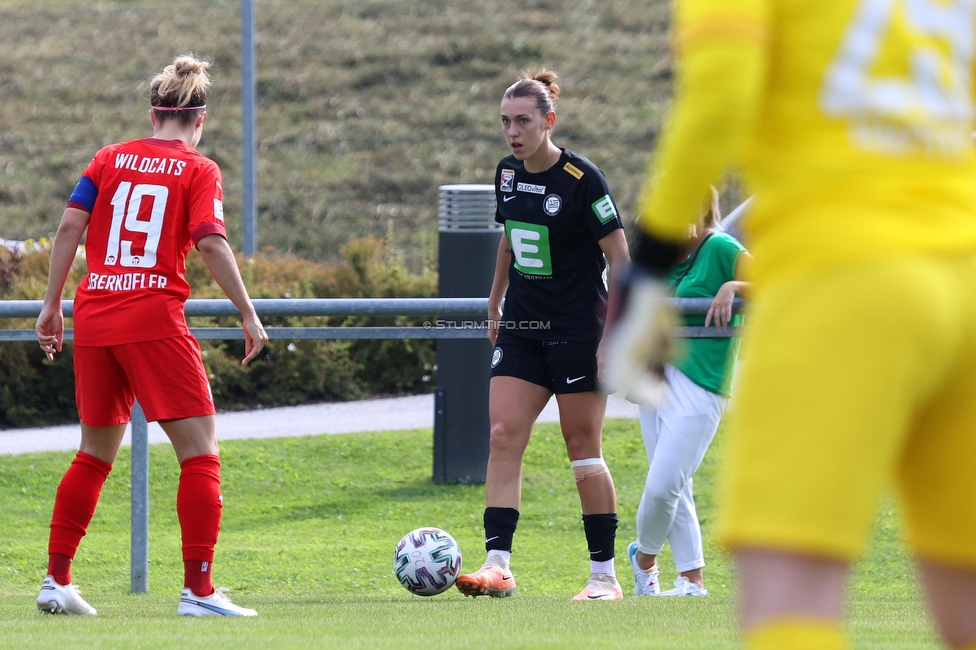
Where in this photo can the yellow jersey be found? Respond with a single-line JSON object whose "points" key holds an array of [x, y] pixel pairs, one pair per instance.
{"points": [[850, 118]]}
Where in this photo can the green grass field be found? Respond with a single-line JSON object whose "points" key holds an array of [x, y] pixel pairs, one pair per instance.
{"points": [[308, 535]]}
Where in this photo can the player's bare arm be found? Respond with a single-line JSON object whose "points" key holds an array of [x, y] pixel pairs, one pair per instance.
{"points": [[721, 308], [220, 261], [499, 285], [50, 323], [615, 249]]}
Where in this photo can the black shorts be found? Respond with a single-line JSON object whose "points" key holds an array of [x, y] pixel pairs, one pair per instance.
{"points": [[560, 366]]}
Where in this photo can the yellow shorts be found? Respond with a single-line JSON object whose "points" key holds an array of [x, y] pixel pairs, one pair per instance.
{"points": [[855, 379]]}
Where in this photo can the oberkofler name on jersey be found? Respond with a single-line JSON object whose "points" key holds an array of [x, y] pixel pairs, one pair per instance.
{"points": [[146, 165], [126, 281]]}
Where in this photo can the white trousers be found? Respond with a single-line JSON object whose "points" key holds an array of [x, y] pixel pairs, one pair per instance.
{"points": [[676, 437]]}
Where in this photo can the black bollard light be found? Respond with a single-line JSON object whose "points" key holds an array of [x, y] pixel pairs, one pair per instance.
{"points": [[467, 246]]}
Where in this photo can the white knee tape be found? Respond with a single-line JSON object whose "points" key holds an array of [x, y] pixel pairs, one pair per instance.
{"points": [[587, 467]]}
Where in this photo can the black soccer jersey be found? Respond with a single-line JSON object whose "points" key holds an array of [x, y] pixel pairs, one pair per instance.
{"points": [[554, 221]]}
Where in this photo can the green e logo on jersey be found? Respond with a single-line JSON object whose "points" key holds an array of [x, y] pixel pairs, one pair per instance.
{"points": [[530, 246], [604, 208]]}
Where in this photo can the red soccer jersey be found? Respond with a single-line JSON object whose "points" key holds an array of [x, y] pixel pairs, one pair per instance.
{"points": [[149, 201]]}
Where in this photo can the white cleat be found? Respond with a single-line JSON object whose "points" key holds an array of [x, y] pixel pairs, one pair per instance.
{"points": [[602, 586], [62, 599], [682, 587], [216, 604], [645, 582]]}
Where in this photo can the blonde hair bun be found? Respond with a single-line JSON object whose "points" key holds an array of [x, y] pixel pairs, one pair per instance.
{"points": [[183, 83]]}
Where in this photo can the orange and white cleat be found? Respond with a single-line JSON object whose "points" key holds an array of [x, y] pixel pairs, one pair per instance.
{"points": [[602, 586], [489, 580]]}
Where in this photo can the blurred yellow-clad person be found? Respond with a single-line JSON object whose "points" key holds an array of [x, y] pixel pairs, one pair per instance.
{"points": [[851, 120]]}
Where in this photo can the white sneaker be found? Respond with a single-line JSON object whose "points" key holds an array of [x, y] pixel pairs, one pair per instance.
{"points": [[601, 586], [645, 582], [684, 588], [216, 604], [62, 599]]}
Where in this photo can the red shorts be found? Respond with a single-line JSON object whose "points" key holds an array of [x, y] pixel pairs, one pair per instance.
{"points": [[166, 376]]}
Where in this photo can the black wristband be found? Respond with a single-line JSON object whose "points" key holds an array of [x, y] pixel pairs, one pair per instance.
{"points": [[655, 256]]}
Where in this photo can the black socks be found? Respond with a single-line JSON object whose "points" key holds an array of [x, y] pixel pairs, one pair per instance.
{"points": [[500, 526], [601, 530]]}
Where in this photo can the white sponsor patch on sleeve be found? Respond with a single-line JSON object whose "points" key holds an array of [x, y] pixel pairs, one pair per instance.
{"points": [[219, 209]]}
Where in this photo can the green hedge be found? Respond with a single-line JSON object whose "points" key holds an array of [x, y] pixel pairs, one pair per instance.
{"points": [[34, 391]]}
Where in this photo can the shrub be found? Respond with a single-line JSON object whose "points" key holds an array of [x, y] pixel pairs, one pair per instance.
{"points": [[34, 391]]}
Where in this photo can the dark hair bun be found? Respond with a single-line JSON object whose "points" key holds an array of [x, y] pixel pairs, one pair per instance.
{"points": [[548, 79]]}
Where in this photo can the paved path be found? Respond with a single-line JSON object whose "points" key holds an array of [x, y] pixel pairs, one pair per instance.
{"points": [[391, 414]]}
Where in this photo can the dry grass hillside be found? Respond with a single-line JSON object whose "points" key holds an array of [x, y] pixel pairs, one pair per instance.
{"points": [[365, 108]]}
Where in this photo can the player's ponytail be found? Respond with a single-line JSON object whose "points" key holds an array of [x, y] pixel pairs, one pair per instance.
{"points": [[180, 90], [711, 212]]}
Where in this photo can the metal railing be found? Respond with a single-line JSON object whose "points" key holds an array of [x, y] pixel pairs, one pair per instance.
{"points": [[461, 318]]}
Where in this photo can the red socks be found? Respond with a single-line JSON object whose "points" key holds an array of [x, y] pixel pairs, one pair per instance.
{"points": [[198, 505], [59, 568], [74, 507]]}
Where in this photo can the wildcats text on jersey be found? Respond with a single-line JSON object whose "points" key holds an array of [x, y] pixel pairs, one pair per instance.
{"points": [[137, 163], [126, 281]]}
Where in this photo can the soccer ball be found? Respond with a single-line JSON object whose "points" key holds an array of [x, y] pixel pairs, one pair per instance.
{"points": [[427, 561]]}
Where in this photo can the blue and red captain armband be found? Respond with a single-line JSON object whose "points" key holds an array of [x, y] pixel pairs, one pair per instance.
{"points": [[84, 195], [655, 256]]}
